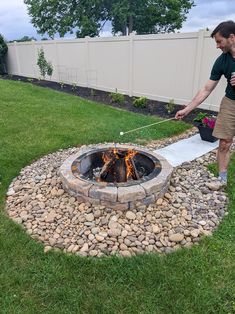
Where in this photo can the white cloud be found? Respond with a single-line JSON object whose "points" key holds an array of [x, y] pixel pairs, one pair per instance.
{"points": [[209, 14], [14, 20]]}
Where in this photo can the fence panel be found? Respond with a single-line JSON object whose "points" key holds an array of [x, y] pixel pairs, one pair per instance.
{"points": [[160, 67]]}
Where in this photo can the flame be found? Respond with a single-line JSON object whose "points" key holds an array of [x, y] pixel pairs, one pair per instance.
{"points": [[129, 167], [116, 154]]}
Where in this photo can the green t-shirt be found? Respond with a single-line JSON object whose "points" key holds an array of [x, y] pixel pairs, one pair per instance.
{"points": [[224, 65]]}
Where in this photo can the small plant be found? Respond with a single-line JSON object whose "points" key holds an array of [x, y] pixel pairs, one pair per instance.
{"points": [[116, 97], [62, 85], [92, 92], [206, 120], [49, 69], [140, 102], [170, 106], [45, 67], [30, 80], [74, 87]]}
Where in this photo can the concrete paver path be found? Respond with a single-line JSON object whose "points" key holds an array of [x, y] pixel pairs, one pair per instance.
{"points": [[186, 150]]}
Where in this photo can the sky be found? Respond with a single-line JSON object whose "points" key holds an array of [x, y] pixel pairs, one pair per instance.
{"points": [[15, 21]]}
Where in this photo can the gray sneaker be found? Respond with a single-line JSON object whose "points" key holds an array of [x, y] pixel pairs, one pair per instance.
{"points": [[223, 181]]}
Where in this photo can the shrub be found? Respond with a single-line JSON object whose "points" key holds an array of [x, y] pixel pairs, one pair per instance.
{"points": [[116, 97], [140, 102], [170, 106], [45, 67], [62, 84], [92, 92], [3, 52], [49, 69], [74, 87]]}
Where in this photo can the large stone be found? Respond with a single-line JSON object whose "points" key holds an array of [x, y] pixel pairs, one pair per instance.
{"points": [[130, 193], [89, 217], [51, 216], [176, 237], [104, 193], [130, 215]]}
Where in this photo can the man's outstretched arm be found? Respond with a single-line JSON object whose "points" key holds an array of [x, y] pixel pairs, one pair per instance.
{"points": [[197, 100]]}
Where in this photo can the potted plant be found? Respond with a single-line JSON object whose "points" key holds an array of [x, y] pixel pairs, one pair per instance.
{"points": [[205, 124]]}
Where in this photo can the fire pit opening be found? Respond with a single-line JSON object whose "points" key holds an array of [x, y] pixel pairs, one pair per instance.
{"points": [[115, 165], [116, 176]]}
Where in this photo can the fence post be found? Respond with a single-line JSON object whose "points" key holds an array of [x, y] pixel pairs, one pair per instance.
{"points": [[34, 65], [17, 59], [131, 50], [57, 74], [87, 61], [198, 62]]}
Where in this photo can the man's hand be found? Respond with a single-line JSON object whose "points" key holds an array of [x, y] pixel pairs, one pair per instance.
{"points": [[232, 81], [181, 113]]}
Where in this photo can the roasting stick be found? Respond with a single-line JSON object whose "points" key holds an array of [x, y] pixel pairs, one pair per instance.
{"points": [[146, 126]]}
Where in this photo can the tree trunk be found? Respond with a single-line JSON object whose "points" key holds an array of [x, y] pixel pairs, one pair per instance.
{"points": [[124, 29], [130, 25]]}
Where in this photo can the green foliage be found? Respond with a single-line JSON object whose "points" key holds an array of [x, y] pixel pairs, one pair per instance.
{"points": [[30, 80], [74, 87], [92, 91], [45, 67], [200, 116], [213, 168], [140, 102], [87, 18], [116, 97], [3, 52], [170, 106], [49, 69], [61, 85], [205, 119], [149, 17], [23, 39]]}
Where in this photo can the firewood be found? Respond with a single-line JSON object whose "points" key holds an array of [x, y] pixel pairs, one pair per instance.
{"points": [[106, 168], [120, 170], [135, 174]]}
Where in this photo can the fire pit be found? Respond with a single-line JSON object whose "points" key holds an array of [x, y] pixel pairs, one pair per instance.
{"points": [[116, 176]]}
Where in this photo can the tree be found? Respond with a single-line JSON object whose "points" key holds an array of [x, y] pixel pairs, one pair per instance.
{"points": [[149, 17], [45, 67], [23, 39], [3, 52], [87, 18]]}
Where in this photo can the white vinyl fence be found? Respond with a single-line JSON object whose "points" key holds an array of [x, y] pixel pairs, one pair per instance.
{"points": [[160, 67]]}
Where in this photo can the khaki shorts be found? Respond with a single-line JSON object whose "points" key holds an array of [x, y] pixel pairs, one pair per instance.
{"points": [[225, 122]]}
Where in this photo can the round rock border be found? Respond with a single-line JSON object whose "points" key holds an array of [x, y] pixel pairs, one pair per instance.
{"points": [[192, 207]]}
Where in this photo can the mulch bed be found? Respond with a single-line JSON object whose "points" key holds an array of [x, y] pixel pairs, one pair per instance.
{"points": [[153, 107]]}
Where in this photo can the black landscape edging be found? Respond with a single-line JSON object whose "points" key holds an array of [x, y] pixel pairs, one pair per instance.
{"points": [[153, 107]]}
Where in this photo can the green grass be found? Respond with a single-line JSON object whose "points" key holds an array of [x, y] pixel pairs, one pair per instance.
{"points": [[36, 121]]}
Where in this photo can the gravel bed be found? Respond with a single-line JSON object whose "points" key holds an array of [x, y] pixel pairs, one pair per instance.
{"points": [[193, 207]]}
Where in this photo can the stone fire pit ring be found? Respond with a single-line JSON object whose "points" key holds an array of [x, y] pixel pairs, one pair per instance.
{"points": [[119, 196]]}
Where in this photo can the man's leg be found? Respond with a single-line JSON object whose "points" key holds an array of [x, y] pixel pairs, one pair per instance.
{"points": [[223, 157]]}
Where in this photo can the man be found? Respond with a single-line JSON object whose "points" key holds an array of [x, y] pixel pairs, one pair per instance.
{"points": [[224, 35]]}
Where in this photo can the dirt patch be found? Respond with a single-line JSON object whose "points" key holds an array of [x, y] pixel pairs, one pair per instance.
{"points": [[153, 107]]}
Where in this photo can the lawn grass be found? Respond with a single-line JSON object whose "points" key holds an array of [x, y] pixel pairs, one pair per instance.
{"points": [[36, 121]]}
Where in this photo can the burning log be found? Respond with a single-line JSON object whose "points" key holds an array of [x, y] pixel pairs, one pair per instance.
{"points": [[119, 171], [135, 174], [118, 166], [105, 169]]}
